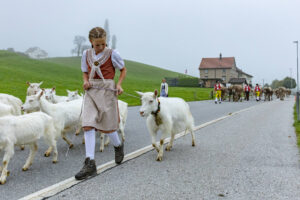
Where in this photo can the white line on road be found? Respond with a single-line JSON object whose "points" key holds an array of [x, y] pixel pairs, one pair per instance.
{"points": [[63, 185]]}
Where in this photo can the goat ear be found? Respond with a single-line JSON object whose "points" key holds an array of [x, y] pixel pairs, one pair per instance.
{"points": [[53, 89], [40, 83], [28, 83], [155, 93], [139, 93], [41, 94]]}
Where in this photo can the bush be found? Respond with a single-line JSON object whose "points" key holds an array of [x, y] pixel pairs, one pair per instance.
{"points": [[183, 82]]}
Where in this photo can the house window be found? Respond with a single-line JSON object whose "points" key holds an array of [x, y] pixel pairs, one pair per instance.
{"points": [[223, 78], [206, 76], [224, 70], [206, 71]]}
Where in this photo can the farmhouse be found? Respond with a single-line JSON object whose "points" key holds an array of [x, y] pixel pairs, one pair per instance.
{"points": [[223, 69]]}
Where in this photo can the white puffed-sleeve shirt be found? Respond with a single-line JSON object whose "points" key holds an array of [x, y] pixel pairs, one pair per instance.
{"points": [[116, 59]]}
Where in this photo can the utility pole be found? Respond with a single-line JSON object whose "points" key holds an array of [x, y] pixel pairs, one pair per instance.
{"points": [[291, 77], [297, 99]]}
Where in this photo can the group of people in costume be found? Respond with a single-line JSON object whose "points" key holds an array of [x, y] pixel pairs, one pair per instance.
{"points": [[247, 89]]}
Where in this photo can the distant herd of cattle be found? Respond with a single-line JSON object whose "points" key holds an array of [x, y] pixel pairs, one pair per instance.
{"points": [[235, 92]]}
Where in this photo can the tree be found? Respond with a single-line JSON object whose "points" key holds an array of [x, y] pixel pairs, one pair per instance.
{"points": [[36, 52], [106, 28], [84, 47], [79, 43], [289, 82], [10, 49], [114, 42]]}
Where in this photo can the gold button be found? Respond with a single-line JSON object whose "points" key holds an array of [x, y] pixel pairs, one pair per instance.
{"points": [[96, 63]]}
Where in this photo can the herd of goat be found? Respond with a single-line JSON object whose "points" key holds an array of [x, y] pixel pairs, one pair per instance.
{"points": [[51, 117]]}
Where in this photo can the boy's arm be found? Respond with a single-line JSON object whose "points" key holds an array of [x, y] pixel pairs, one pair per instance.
{"points": [[121, 78]]}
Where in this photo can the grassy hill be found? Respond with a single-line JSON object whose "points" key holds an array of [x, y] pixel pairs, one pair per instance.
{"points": [[65, 73]]}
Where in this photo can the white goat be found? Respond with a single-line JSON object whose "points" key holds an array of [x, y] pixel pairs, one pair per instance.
{"points": [[170, 115], [65, 114], [33, 88], [12, 101], [5, 109], [72, 95], [123, 110], [58, 99], [25, 129], [10, 105], [48, 93]]}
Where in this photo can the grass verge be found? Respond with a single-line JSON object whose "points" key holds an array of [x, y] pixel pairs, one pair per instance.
{"points": [[297, 126]]}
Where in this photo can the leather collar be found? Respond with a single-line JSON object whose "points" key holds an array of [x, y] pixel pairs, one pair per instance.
{"points": [[158, 108]]}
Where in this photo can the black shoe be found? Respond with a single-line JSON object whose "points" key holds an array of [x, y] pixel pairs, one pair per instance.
{"points": [[89, 169], [119, 153], [216, 102], [219, 102]]}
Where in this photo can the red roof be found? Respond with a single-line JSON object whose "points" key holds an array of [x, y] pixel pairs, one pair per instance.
{"points": [[212, 63]]}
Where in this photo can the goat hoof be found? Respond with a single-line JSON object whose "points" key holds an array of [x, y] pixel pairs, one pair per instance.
{"points": [[159, 158], [54, 161], [22, 148], [193, 144], [71, 146], [7, 173], [2, 182], [101, 150], [168, 148], [47, 154], [83, 142], [24, 169]]}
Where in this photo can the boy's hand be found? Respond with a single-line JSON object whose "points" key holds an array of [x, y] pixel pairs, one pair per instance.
{"points": [[119, 90], [86, 85]]}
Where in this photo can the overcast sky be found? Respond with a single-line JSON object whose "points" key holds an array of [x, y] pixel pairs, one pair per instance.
{"points": [[169, 34]]}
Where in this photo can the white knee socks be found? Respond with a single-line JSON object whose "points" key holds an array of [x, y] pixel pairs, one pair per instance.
{"points": [[114, 137], [89, 137]]}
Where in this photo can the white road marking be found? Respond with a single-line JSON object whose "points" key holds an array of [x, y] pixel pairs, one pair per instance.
{"points": [[63, 185]]}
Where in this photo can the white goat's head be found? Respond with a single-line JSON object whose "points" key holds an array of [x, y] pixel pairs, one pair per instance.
{"points": [[33, 88], [49, 92], [32, 103], [149, 103], [72, 95]]}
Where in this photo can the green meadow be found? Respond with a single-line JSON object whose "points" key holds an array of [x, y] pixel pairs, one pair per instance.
{"points": [[65, 73]]}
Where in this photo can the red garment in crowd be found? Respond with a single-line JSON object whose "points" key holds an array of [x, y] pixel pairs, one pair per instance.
{"points": [[217, 87], [247, 88], [257, 89]]}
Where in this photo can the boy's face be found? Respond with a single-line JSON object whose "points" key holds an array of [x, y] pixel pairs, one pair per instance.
{"points": [[99, 44]]}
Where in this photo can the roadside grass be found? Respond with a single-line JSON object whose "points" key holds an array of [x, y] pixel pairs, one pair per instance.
{"points": [[65, 73], [297, 126]]}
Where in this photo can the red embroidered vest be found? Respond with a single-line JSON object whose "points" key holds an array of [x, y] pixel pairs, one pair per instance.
{"points": [[107, 69]]}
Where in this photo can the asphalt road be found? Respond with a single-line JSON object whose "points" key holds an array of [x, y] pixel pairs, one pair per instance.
{"points": [[43, 173], [251, 155]]}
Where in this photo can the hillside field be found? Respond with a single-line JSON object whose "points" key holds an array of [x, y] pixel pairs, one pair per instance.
{"points": [[65, 73]]}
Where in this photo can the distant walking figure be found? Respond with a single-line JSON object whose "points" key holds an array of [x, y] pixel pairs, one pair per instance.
{"points": [[218, 92], [257, 92], [247, 90], [164, 88]]}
